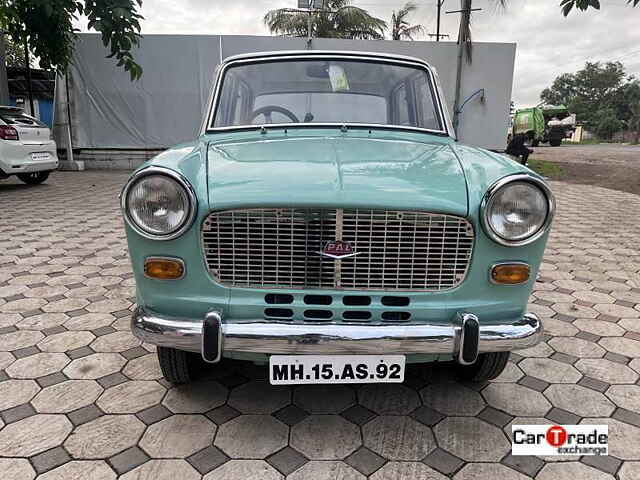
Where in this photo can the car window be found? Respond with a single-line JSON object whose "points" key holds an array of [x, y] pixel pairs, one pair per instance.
{"points": [[290, 91], [19, 119]]}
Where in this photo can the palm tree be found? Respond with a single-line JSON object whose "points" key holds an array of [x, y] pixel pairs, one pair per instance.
{"points": [[400, 28], [339, 20]]}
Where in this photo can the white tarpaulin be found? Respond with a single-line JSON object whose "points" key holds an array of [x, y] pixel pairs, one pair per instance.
{"points": [[166, 105]]}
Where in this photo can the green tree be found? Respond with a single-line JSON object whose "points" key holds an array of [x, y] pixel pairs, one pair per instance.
{"points": [[14, 54], [588, 91], [339, 20], [401, 29], [48, 27], [568, 5], [607, 123]]}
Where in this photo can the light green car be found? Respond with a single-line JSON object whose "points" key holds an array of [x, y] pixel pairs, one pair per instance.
{"points": [[326, 222]]}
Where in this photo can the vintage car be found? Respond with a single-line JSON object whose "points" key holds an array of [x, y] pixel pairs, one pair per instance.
{"points": [[326, 222]]}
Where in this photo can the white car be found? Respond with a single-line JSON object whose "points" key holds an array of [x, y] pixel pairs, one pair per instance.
{"points": [[27, 148]]}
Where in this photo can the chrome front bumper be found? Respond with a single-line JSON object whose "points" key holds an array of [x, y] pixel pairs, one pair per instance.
{"points": [[278, 338]]}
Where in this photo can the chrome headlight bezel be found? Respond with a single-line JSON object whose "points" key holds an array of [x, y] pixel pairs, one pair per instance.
{"points": [[181, 181], [496, 187]]}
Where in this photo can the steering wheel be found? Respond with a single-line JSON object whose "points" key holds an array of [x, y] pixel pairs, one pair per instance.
{"points": [[269, 109]]}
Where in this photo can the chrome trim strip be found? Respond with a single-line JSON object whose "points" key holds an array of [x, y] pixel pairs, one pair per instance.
{"points": [[518, 177], [327, 54], [155, 170], [259, 336], [173, 259]]}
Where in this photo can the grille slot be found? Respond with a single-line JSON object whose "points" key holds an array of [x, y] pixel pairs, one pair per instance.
{"points": [[278, 248], [318, 299], [278, 312], [356, 301], [396, 316], [278, 298], [318, 314], [356, 315], [395, 301]]}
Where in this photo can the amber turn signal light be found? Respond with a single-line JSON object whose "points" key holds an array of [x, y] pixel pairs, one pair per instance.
{"points": [[510, 273], [164, 268]]}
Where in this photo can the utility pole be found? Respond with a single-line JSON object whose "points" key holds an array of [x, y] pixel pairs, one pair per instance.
{"points": [[4, 82], [29, 84], [466, 15], [440, 3]]}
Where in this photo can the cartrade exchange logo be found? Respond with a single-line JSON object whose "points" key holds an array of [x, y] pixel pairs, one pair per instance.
{"points": [[560, 439]]}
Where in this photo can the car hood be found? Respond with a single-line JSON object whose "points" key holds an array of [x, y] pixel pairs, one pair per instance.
{"points": [[335, 171]]}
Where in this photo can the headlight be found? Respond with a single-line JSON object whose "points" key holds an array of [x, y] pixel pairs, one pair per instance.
{"points": [[158, 203], [517, 210]]}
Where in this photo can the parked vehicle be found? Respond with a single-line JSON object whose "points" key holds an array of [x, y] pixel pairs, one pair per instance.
{"points": [[544, 124], [327, 222], [27, 148]]}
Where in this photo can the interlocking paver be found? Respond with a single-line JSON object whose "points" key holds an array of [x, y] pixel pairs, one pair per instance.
{"points": [[17, 392], [57, 273], [131, 397], [325, 437], [475, 471], [163, 470], [17, 468], [38, 365], [244, 470], [33, 435], [80, 469], [66, 397], [178, 436], [104, 437], [94, 366], [324, 398], [471, 439], [398, 438], [406, 471], [252, 436], [388, 398], [197, 397], [258, 396]]}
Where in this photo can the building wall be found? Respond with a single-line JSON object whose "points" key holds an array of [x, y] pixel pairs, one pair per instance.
{"points": [[166, 105]]}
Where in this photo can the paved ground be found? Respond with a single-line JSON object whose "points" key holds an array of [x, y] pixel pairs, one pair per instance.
{"points": [[615, 166], [80, 398]]}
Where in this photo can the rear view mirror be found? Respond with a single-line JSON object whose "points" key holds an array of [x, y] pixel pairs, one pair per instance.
{"points": [[317, 70]]}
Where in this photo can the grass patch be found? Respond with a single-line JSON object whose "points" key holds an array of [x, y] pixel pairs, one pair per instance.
{"points": [[544, 168]]}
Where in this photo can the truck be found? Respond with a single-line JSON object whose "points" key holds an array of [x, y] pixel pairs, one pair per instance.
{"points": [[544, 124]]}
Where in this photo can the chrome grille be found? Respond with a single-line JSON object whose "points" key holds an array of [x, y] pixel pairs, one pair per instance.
{"points": [[278, 248]]}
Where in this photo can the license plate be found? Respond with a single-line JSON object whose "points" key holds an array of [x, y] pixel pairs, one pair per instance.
{"points": [[301, 369], [40, 156]]}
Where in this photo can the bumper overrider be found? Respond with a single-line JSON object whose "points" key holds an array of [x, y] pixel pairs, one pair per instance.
{"points": [[464, 338]]}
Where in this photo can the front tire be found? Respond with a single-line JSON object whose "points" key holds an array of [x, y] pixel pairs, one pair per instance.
{"points": [[177, 365], [33, 178], [487, 367]]}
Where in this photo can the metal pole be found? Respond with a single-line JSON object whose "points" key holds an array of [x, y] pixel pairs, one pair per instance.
{"points": [[309, 33], [440, 2], [28, 66], [4, 82]]}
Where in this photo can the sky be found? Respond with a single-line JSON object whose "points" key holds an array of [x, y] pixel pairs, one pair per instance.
{"points": [[548, 44]]}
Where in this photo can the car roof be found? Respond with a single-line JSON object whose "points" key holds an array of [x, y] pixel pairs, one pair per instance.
{"points": [[337, 53]]}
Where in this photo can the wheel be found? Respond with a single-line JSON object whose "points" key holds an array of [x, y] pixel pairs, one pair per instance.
{"points": [[177, 365], [535, 143], [487, 367], [556, 142], [33, 178]]}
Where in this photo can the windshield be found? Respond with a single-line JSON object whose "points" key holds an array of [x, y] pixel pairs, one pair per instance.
{"points": [[18, 117], [326, 91]]}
